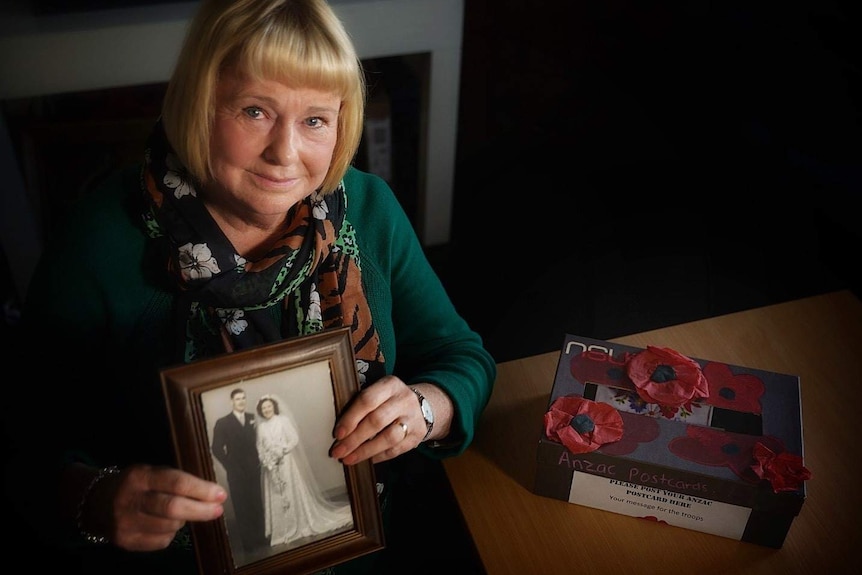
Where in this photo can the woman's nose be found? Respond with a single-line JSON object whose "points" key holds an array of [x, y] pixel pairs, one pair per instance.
{"points": [[283, 144]]}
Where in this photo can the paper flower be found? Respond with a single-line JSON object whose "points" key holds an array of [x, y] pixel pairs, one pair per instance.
{"points": [[582, 425], [638, 430], [666, 377], [719, 448], [599, 367], [784, 471], [740, 392]]}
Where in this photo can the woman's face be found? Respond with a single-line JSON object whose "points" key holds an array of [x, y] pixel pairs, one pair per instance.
{"points": [[271, 145], [267, 409]]}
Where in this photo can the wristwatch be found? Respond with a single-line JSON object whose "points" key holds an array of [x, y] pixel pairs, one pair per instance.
{"points": [[427, 413]]}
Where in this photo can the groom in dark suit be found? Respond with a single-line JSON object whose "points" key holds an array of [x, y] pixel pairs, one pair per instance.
{"points": [[234, 445]]}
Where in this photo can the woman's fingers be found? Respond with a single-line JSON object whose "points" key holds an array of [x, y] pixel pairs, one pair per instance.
{"points": [[379, 424], [390, 442], [151, 504]]}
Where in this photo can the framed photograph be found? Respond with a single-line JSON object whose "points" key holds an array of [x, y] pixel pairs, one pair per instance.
{"points": [[259, 423]]}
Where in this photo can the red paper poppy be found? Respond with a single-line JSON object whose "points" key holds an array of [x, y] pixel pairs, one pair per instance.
{"points": [[740, 392], [719, 448], [784, 470], [666, 377], [638, 430], [582, 425]]}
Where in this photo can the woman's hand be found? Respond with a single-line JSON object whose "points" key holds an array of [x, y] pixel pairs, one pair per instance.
{"points": [[143, 507], [372, 426]]}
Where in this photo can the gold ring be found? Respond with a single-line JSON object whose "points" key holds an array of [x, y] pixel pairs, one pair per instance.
{"points": [[403, 428]]}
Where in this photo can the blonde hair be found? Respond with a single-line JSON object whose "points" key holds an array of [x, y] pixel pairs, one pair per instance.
{"points": [[297, 42]]}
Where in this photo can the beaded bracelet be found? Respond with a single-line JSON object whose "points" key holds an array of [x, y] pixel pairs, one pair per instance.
{"points": [[89, 537]]}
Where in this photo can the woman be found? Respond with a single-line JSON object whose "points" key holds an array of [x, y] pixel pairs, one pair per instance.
{"points": [[244, 225], [294, 508]]}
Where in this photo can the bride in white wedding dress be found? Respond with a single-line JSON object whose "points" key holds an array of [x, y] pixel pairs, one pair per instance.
{"points": [[294, 507]]}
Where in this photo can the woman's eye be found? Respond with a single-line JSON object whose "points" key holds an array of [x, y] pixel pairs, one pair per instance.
{"points": [[315, 122], [253, 112]]}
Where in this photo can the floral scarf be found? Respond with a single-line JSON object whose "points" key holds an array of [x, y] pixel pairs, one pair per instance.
{"points": [[226, 302]]}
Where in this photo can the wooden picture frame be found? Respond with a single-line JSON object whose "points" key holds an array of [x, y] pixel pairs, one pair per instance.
{"points": [[311, 378]]}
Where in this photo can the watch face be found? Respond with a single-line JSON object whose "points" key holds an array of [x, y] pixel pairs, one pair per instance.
{"points": [[426, 411]]}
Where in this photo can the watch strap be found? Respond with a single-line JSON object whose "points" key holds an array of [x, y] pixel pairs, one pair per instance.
{"points": [[423, 402]]}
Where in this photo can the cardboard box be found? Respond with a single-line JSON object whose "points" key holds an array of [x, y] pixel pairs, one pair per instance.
{"points": [[690, 466]]}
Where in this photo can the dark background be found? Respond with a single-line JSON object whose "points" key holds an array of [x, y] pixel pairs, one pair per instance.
{"points": [[621, 166], [628, 165]]}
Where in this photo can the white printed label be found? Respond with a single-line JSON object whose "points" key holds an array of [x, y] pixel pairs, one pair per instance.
{"points": [[670, 507]]}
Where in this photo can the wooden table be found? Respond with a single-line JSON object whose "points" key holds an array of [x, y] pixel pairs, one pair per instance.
{"points": [[515, 531]]}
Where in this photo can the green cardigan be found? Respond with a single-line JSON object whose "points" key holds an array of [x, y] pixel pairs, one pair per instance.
{"points": [[100, 323]]}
